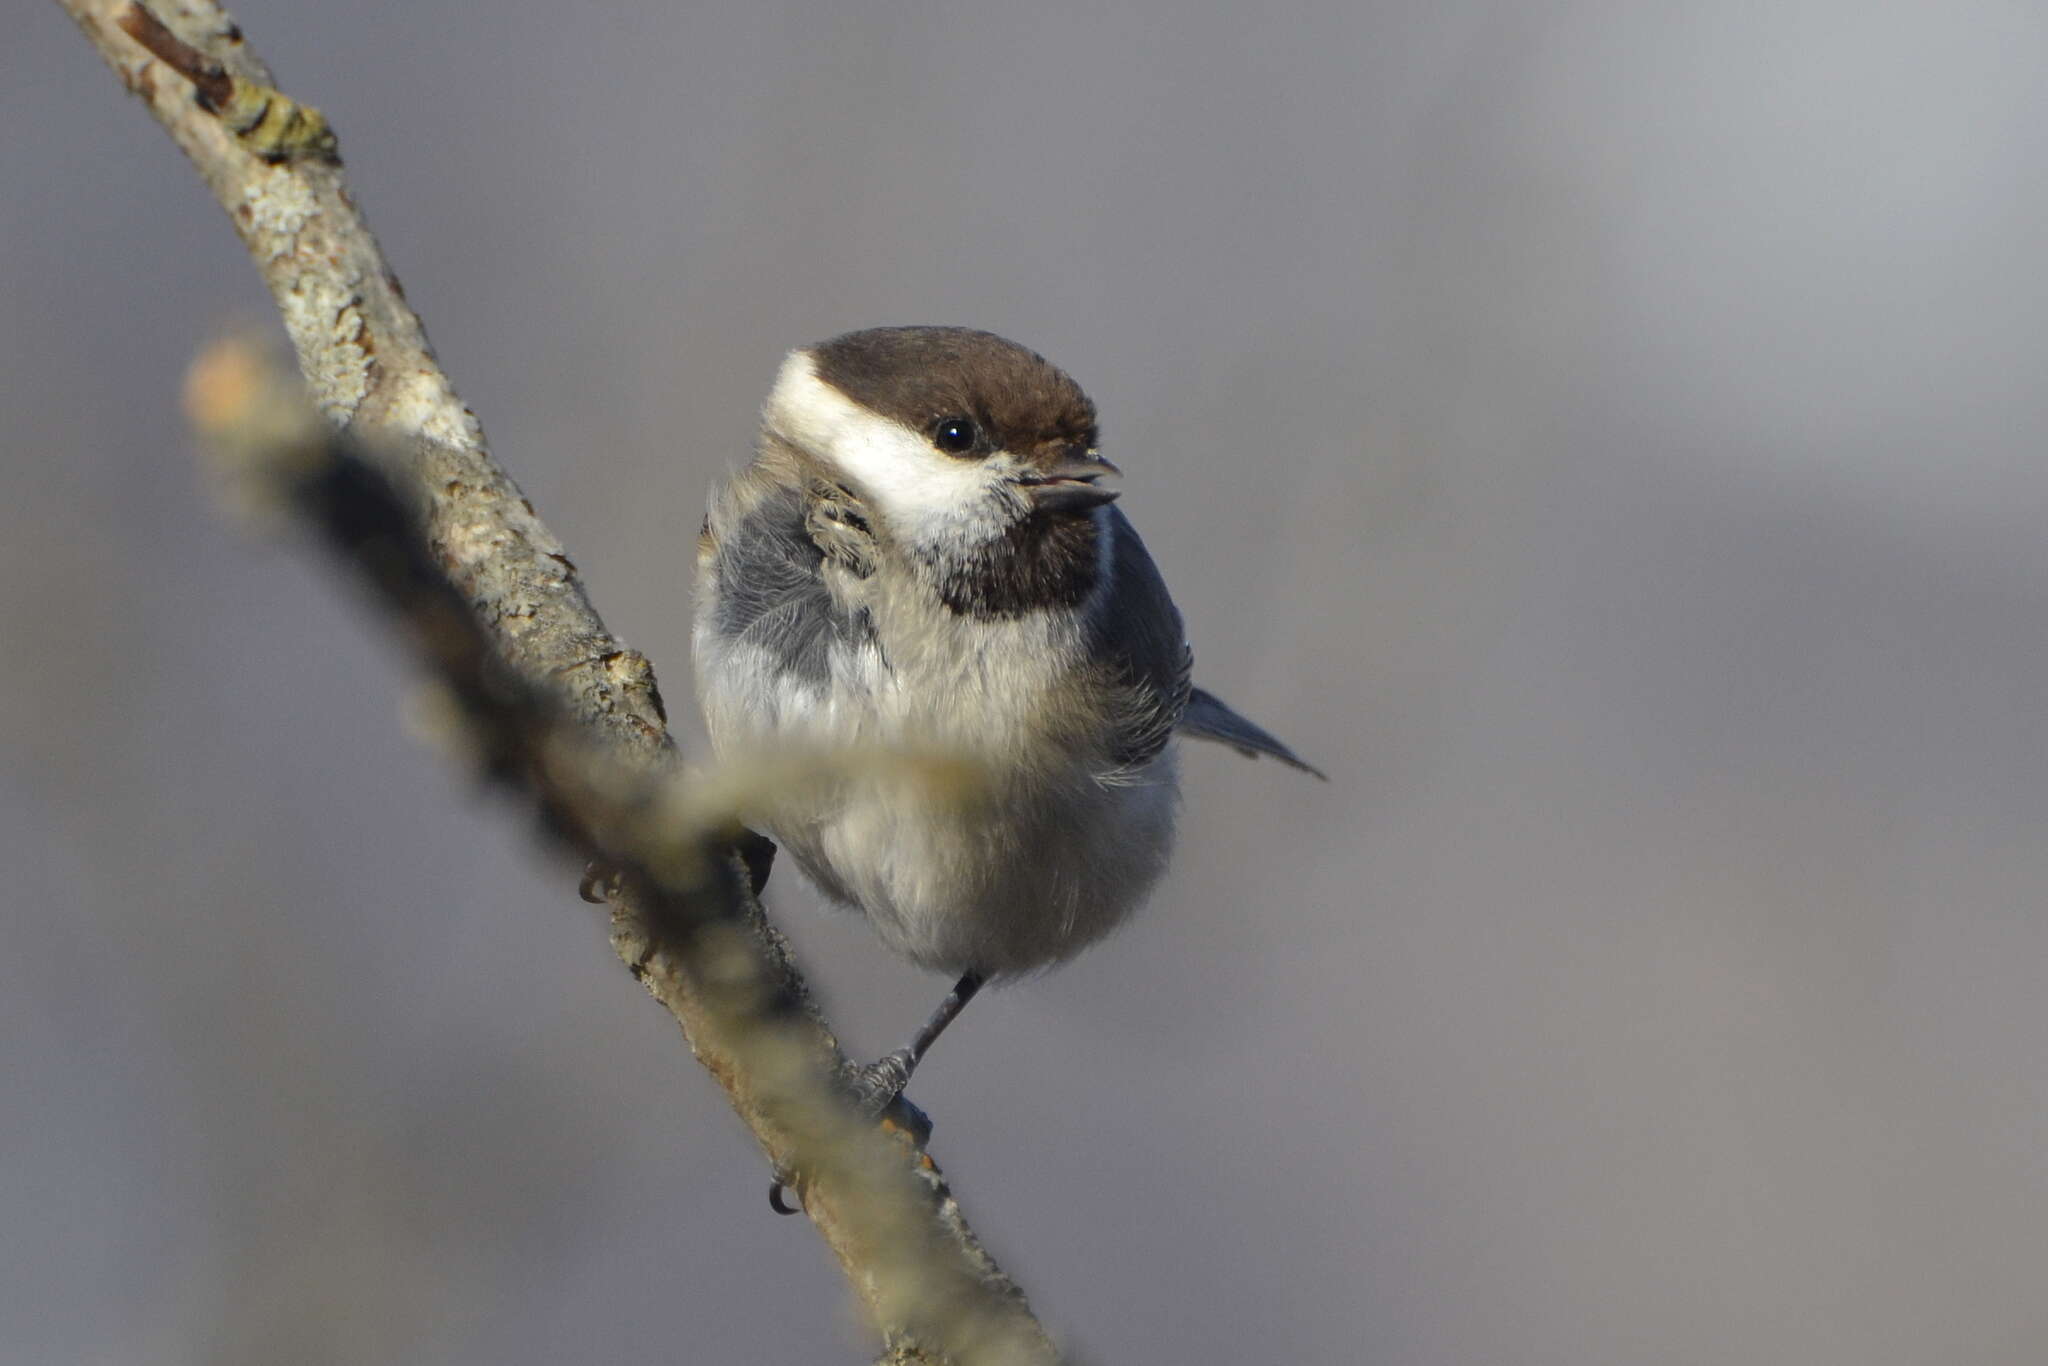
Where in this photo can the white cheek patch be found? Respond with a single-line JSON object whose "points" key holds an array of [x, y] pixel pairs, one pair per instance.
{"points": [[925, 496]]}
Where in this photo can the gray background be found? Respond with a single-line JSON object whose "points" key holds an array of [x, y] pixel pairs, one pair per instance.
{"points": [[1607, 437]]}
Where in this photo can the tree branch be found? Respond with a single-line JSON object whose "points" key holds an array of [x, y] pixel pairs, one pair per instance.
{"points": [[485, 593]]}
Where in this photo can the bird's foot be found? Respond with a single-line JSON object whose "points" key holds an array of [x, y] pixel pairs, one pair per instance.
{"points": [[599, 882], [757, 851], [877, 1083], [877, 1093], [838, 525]]}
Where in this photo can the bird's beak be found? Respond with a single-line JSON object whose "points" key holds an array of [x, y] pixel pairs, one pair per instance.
{"points": [[1070, 486]]}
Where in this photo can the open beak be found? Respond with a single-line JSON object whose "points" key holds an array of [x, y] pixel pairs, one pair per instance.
{"points": [[1070, 486]]}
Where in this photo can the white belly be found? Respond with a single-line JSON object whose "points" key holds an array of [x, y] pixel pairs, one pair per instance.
{"points": [[1052, 856]]}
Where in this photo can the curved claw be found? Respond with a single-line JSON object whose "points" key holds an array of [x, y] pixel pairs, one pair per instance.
{"points": [[595, 886], [878, 1095], [757, 851]]}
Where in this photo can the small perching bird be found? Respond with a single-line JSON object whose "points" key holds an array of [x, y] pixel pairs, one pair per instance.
{"points": [[924, 553]]}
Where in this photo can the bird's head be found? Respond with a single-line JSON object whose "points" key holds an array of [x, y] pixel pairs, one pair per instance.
{"points": [[954, 438]]}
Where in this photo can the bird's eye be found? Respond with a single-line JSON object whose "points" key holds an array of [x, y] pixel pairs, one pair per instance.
{"points": [[955, 435]]}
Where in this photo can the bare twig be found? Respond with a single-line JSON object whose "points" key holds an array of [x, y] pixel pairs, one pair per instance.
{"points": [[492, 602]]}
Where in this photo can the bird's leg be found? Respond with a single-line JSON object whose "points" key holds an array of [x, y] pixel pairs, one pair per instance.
{"points": [[878, 1086], [879, 1083]]}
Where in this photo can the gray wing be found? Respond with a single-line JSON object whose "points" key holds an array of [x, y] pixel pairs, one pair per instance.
{"points": [[772, 593], [1137, 631], [1207, 718]]}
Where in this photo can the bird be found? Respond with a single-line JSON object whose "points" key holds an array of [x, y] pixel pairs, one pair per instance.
{"points": [[927, 550]]}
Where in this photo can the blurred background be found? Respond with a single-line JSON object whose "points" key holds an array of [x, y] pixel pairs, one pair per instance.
{"points": [[1607, 437]]}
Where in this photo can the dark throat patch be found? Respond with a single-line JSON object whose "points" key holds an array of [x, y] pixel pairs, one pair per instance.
{"points": [[1045, 561]]}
